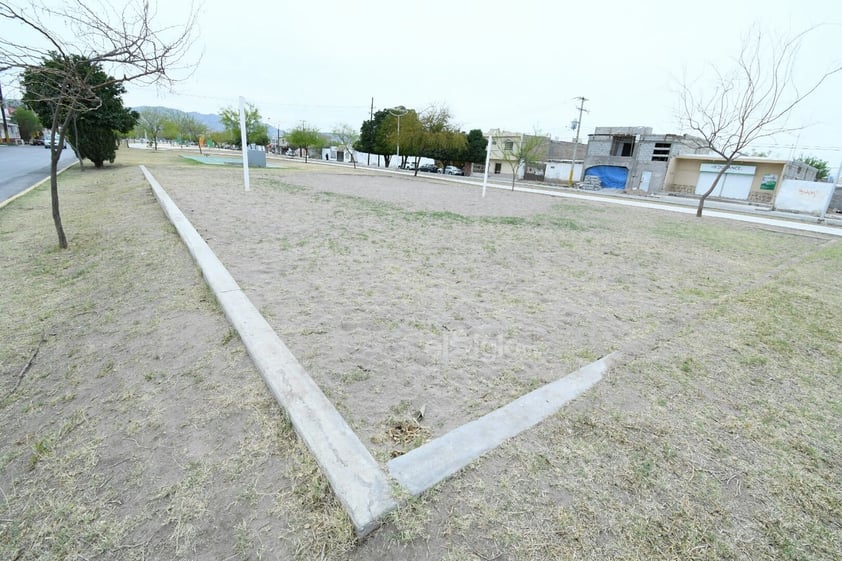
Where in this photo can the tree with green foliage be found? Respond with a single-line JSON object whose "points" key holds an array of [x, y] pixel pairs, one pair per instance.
{"points": [[372, 137], [58, 64], [94, 121], [28, 123], [256, 131], [305, 137], [476, 145], [822, 167], [95, 134], [444, 142], [189, 128], [405, 140]]}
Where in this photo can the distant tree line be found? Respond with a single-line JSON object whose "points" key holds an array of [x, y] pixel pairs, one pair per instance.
{"points": [[430, 133]]}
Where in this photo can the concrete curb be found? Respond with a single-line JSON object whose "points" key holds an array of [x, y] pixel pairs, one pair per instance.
{"points": [[356, 478], [427, 465]]}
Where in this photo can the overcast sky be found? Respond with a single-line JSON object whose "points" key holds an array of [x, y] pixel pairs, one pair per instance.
{"points": [[512, 65]]}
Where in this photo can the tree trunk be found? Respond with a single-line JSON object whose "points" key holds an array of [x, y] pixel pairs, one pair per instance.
{"points": [[707, 193], [54, 156]]}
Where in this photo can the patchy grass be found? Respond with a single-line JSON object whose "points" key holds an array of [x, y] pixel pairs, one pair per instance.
{"points": [[142, 431]]}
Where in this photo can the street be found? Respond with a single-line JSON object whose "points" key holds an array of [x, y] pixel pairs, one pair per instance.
{"points": [[23, 166]]}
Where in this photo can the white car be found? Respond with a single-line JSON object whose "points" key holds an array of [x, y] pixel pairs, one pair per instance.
{"points": [[48, 142], [453, 170]]}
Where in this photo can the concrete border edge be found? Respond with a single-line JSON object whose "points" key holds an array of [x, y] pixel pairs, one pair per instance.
{"points": [[355, 477]]}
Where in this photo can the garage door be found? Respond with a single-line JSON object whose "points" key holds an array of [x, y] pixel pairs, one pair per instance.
{"points": [[735, 183]]}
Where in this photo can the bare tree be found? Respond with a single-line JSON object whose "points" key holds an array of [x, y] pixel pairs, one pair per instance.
{"points": [[525, 151], [126, 44], [152, 121], [748, 102], [347, 136]]}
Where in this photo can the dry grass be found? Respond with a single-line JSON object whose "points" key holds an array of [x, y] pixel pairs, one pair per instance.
{"points": [[141, 430]]}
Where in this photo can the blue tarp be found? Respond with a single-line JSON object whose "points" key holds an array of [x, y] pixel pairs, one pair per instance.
{"points": [[612, 177]]}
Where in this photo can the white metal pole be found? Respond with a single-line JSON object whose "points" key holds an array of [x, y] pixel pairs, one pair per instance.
{"points": [[487, 163], [244, 146]]}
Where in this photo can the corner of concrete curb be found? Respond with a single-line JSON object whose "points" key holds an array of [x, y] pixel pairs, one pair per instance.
{"points": [[355, 477]]}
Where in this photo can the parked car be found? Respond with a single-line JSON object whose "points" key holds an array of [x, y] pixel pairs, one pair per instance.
{"points": [[410, 166], [48, 142], [37, 141], [432, 168], [453, 170]]}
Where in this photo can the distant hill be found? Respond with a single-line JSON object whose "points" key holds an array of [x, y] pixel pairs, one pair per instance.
{"points": [[210, 120]]}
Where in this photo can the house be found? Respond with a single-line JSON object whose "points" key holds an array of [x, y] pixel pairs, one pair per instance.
{"points": [[553, 158], [563, 156], [751, 179], [12, 129], [633, 158]]}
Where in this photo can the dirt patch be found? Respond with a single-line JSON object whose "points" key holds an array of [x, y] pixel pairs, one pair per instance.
{"points": [[142, 430], [393, 290]]}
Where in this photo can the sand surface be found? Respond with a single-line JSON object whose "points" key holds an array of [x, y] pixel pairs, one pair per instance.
{"points": [[397, 292]]}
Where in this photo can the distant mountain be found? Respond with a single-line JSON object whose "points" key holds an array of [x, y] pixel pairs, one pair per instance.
{"points": [[213, 122]]}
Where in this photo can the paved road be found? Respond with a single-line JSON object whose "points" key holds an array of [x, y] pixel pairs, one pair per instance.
{"points": [[23, 166]]}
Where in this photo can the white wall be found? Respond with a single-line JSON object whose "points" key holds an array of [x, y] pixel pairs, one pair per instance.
{"points": [[560, 171], [804, 196]]}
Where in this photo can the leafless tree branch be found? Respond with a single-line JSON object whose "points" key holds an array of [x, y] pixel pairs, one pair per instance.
{"points": [[751, 101], [126, 45]]}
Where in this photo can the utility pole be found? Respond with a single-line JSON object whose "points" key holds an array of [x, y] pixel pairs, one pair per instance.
{"points": [[582, 101]]}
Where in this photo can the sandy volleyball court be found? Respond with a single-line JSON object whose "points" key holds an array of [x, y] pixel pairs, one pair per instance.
{"points": [[398, 293], [141, 430]]}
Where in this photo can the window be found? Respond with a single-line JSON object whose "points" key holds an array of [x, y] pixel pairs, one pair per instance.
{"points": [[661, 153], [622, 146], [508, 145], [497, 167]]}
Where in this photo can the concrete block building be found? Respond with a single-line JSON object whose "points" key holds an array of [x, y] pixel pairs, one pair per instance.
{"points": [[633, 158], [749, 179]]}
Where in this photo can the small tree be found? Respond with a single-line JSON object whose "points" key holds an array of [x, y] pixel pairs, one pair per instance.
{"points": [[441, 139], [125, 43], [373, 138], [189, 128], [347, 137], [28, 122], [256, 132], [475, 147], [306, 138], [822, 167], [750, 101], [152, 121], [525, 151]]}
